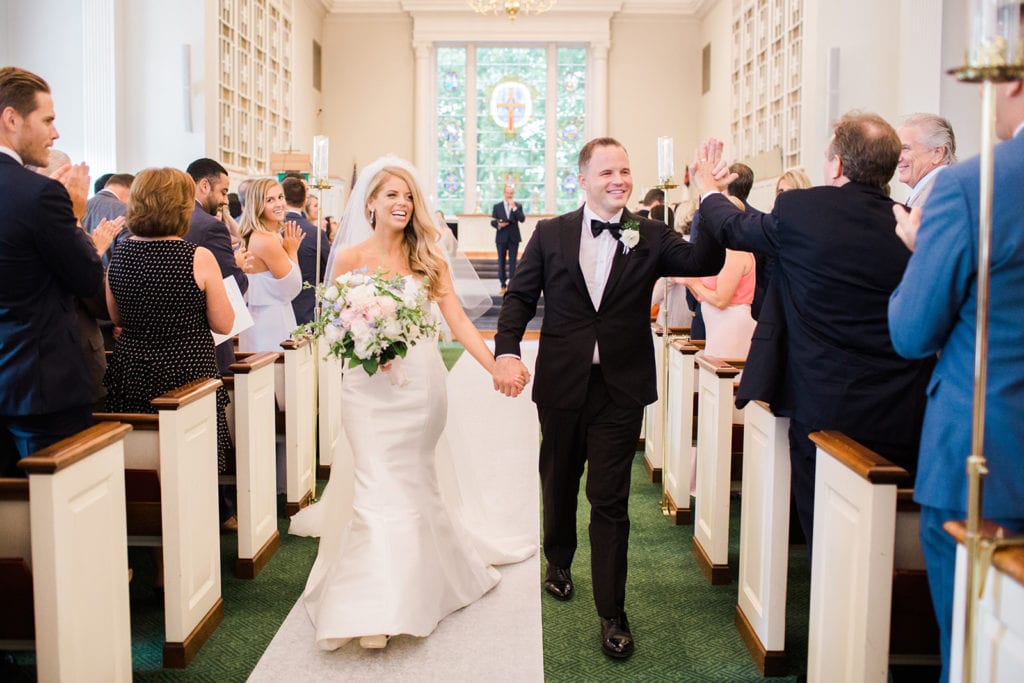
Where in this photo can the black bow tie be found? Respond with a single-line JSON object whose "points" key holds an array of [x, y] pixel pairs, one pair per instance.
{"points": [[597, 226]]}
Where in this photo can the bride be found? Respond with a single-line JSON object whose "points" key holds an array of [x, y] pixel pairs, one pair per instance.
{"points": [[394, 556]]}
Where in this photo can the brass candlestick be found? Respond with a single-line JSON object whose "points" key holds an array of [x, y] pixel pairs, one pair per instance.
{"points": [[666, 341], [321, 185]]}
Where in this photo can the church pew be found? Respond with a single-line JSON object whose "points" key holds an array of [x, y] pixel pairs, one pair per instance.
{"points": [[654, 417], [998, 652], [866, 542], [764, 538], [251, 419], [64, 585], [331, 440], [682, 375], [296, 370], [172, 458], [714, 466]]}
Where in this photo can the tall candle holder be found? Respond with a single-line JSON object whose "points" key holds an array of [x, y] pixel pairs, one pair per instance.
{"points": [[994, 56], [665, 184], [318, 182]]}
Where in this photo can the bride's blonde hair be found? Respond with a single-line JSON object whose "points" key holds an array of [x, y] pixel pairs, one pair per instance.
{"points": [[252, 215], [421, 236]]}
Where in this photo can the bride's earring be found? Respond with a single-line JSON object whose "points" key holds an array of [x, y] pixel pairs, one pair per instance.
{"points": [[373, 219]]}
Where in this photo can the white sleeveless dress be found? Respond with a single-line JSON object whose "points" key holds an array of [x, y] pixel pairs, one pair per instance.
{"points": [[270, 305], [394, 556]]}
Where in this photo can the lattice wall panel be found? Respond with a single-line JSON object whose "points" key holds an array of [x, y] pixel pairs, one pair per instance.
{"points": [[766, 77], [254, 98]]}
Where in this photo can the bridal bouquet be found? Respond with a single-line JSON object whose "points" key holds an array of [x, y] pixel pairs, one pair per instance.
{"points": [[370, 319]]}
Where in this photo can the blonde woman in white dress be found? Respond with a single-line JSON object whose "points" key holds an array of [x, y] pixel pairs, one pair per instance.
{"points": [[274, 276]]}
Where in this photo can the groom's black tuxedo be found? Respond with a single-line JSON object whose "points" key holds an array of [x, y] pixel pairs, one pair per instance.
{"points": [[620, 325], [591, 414]]}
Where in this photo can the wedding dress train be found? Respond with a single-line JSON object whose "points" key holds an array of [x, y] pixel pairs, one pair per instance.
{"points": [[395, 556]]}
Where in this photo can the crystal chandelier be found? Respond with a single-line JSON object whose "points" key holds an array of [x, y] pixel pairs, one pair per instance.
{"points": [[512, 8]]}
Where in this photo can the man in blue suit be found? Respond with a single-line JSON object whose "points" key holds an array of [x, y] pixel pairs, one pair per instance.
{"points": [[505, 219], [934, 310], [45, 261], [295, 200], [207, 231]]}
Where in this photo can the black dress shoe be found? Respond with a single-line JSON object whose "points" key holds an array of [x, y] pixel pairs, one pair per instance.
{"points": [[616, 640], [558, 582]]}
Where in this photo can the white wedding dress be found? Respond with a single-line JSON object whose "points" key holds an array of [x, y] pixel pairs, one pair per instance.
{"points": [[395, 556]]}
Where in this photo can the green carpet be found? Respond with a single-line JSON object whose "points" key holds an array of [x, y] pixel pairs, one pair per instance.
{"points": [[683, 626]]}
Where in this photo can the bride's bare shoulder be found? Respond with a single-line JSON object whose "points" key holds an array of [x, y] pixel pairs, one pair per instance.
{"points": [[350, 259]]}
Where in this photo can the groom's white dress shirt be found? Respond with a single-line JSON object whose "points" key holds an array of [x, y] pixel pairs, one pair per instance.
{"points": [[596, 254]]}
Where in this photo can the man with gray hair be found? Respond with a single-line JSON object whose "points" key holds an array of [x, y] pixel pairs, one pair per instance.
{"points": [[927, 145]]}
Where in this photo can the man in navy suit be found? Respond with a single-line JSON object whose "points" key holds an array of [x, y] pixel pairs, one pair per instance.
{"points": [[45, 261], [821, 353], [934, 310], [295, 200], [505, 219], [596, 267], [207, 231]]}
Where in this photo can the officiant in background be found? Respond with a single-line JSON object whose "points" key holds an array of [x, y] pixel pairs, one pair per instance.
{"points": [[505, 219]]}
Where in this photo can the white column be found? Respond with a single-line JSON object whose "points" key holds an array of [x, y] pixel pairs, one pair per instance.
{"points": [[597, 116], [469, 135], [551, 134], [920, 56], [425, 117], [99, 94]]}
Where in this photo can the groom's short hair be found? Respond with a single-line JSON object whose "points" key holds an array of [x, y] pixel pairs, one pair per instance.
{"points": [[588, 150]]}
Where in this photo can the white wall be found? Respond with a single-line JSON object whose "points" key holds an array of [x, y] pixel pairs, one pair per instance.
{"points": [[5, 34], [307, 26], [653, 73], [960, 102], [369, 88], [45, 37]]}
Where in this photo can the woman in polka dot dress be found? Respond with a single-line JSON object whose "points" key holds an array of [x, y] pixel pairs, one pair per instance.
{"points": [[166, 295]]}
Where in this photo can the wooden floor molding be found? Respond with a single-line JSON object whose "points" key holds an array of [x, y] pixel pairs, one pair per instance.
{"points": [[716, 574], [678, 515], [178, 655], [291, 508], [246, 568], [653, 473], [770, 663]]}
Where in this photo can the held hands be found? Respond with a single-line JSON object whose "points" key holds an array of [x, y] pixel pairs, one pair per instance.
{"points": [[290, 238], [709, 170], [104, 234], [907, 223], [510, 376]]}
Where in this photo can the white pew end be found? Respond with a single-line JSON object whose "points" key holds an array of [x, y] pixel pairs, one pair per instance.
{"points": [[714, 466], [764, 538], [70, 523], [998, 652], [682, 375], [182, 454], [300, 423], [252, 414]]}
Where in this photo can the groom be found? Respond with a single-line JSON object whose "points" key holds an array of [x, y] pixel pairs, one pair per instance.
{"points": [[595, 367]]}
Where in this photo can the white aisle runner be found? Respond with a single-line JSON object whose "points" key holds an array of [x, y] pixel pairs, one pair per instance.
{"points": [[498, 637]]}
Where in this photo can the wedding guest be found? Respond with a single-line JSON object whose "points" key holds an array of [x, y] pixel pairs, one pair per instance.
{"points": [[825, 359], [927, 145], [725, 301], [211, 190], [275, 279], [312, 210], [45, 261], [792, 179], [313, 246], [934, 310]]}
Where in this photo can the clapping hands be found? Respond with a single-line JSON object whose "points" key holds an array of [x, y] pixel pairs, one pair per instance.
{"points": [[510, 376], [104, 234]]}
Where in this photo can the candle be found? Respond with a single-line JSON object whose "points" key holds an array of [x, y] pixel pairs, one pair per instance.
{"points": [[319, 158], [665, 170]]}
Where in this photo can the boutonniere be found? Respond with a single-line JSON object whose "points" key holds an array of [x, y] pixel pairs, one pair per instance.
{"points": [[629, 235]]}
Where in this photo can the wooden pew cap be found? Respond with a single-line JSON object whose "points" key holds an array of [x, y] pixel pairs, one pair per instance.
{"points": [[254, 362], [74, 448], [1009, 561], [719, 366], [185, 394], [863, 461]]}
